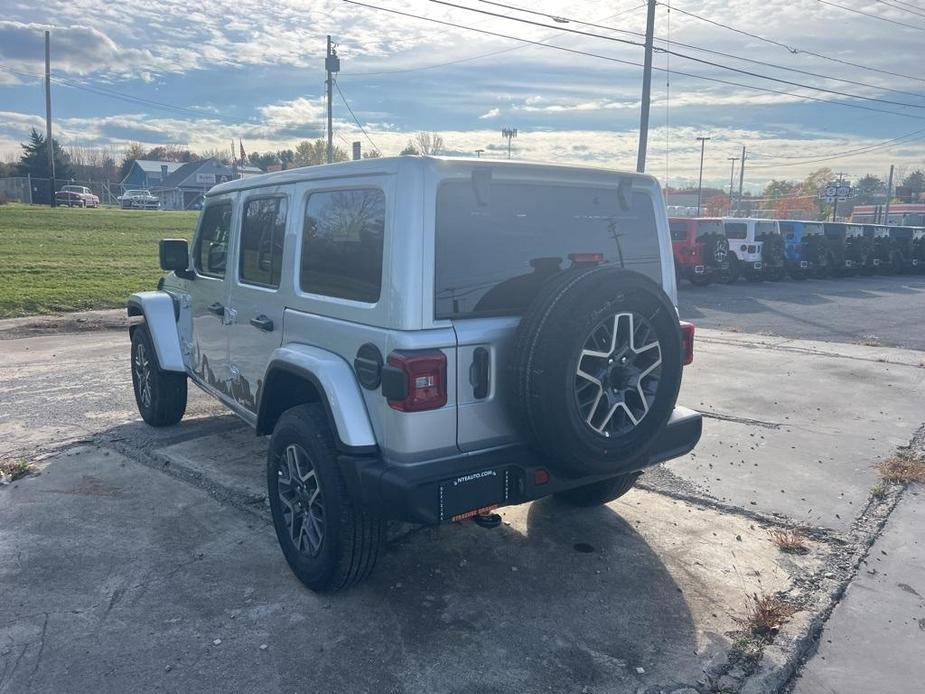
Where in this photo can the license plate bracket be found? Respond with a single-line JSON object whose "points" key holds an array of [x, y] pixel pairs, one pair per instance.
{"points": [[464, 496]]}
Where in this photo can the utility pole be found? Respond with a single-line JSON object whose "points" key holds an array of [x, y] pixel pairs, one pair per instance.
{"points": [[509, 134], [49, 141], [742, 174], [889, 194], [703, 142], [841, 177], [732, 173], [331, 65], [646, 91]]}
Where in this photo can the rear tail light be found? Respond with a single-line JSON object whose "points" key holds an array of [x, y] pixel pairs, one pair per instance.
{"points": [[687, 342], [416, 381], [753, 249]]}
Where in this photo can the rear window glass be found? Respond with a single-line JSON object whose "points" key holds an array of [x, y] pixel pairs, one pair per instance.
{"points": [[736, 230], [497, 243], [711, 227], [765, 228], [678, 230], [342, 241], [812, 229], [786, 228]]}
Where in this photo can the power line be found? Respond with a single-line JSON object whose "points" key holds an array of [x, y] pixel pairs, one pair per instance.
{"points": [[907, 138], [901, 8], [448, 63], [872, 16], [604, 27], [590, 54], [702, 61], [357, 120], [793, 50]]}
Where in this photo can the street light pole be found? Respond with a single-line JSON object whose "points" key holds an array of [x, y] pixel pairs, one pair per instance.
{"points": [[478, 153], [732, 173], [703, 142]]}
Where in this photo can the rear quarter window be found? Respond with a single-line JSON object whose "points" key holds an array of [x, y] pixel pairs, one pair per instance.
{"points": [[497, 244], [678, 230], [736, 230]]}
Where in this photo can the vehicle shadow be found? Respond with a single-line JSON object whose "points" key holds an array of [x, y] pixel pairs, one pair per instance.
{"points": [[575, 597]]}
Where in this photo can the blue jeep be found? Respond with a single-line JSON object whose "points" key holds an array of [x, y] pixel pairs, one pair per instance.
{"points": [[802, 247]]}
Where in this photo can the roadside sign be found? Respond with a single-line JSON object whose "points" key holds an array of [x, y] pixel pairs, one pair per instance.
{"points": [[838, 191]]}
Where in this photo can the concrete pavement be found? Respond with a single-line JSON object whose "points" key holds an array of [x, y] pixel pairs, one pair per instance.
{"points": [[115, 574]]}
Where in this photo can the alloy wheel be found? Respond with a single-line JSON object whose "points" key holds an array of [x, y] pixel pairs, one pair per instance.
{"points": [[143, 374], [618, 372], [301, 498]]}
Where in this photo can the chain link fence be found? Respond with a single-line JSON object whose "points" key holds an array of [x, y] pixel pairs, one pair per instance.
{"points": [[38, 191]]}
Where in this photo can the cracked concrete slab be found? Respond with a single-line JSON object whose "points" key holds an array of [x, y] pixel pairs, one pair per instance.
{"points": [[879, 626], [143, 573]]}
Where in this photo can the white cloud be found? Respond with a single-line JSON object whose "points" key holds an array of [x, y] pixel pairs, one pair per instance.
{"points": [[491, 113]]}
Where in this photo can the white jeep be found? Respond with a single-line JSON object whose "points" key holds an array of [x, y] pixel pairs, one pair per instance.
{"points": [[425, 340]]}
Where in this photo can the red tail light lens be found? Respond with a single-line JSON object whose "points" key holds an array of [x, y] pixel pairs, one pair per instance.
{"points": [[425, 380], [687, 342]]}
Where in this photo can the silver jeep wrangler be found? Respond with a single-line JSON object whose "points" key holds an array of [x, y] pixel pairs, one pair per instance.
{"points": [[424, 340]]}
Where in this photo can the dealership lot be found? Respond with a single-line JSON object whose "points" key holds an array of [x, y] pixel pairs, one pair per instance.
{"points": [[143, 556]]}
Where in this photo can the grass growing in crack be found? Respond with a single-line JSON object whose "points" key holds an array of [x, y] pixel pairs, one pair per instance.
{"points": [[765, 615], [879, 490], [791, 541], [904, 467], [10, 472]]}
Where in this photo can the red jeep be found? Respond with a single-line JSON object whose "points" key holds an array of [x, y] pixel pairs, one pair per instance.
{"points": [[700, 249]]}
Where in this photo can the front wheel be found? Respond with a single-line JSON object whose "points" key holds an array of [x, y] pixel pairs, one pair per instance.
{"points": [[599, 493], [330, 542], [160, 395]]}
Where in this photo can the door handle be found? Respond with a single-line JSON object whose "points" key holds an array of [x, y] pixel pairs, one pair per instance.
{"points": [[261, 322], [217, 309]]}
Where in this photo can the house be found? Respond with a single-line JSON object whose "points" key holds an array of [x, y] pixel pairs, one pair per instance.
{"points": [[148, 173], [246, 170], [183, 189]]}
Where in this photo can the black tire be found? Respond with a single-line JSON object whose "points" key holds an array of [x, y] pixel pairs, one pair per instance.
{"points": [[599, 493], [552, 403], [701, 280], [754, 276], [350, 538], [731, 273], [159, 395]]}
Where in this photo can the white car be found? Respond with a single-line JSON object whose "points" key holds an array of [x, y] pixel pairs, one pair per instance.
{"points": [[744, 250], [139, 199]]}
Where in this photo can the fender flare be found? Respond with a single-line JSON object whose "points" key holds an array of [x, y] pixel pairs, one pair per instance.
{"points": [[338, 392], [160, 314]]}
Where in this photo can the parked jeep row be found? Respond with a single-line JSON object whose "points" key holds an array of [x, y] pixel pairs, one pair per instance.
{"points": [[770, 249]]}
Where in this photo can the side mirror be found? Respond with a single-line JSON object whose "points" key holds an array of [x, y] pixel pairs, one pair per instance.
{"points": [[174, 255]]}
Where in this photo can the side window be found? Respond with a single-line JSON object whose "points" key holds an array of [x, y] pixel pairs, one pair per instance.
{"points": [[342, 241], [678, 230], [212, 242], [736, 230], [263, 228]]}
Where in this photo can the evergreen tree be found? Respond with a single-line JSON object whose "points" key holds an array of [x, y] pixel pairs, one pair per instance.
{"points": [[34, 159]]}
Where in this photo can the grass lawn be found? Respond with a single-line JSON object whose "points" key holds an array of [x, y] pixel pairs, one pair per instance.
{"points": [[73, 259]]}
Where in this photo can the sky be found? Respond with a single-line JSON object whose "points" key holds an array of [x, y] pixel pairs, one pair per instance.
{"points": [[204, 74]]}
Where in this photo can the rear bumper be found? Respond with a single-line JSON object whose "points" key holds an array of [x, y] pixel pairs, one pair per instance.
{"points": [[412, 491]]}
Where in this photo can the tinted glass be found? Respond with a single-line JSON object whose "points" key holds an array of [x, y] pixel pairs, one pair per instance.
{"points": [[786, 228], [765, 228], [678, 230], [498, 243], [709, 227], [263, 228], [342, 242], [812, 229], [212, 242], [736, 230]]}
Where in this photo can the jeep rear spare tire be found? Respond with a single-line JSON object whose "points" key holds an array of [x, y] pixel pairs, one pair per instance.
{"points": [[595, 369]]}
